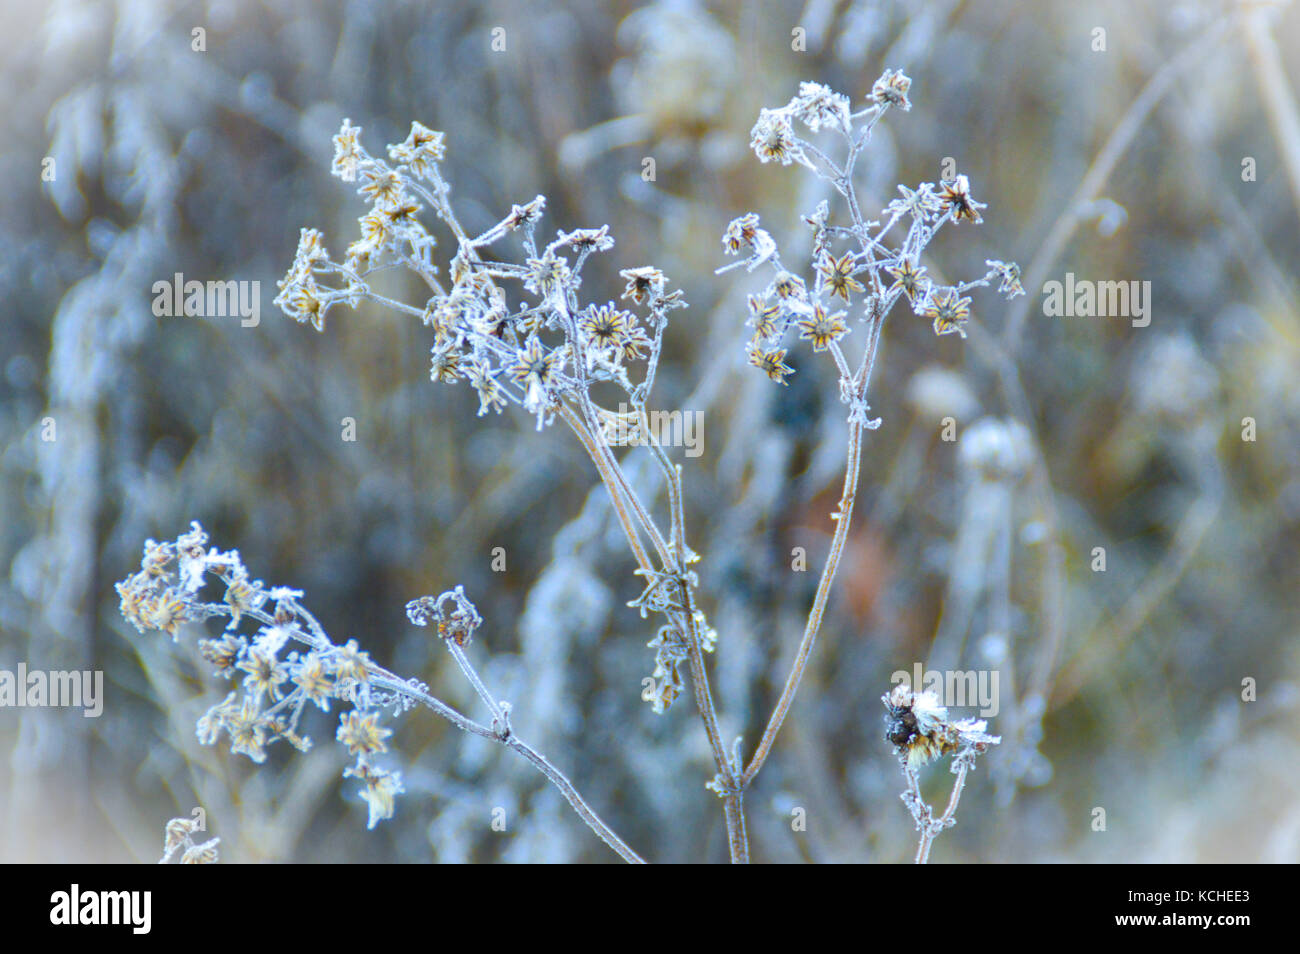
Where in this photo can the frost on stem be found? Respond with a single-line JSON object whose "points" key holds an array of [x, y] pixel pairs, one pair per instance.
{"points": [[920, 730], [857, 262]]}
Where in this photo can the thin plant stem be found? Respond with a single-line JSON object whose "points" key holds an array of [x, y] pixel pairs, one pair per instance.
{"points": [[501, 732], [498, 714], [620, 493], [933, 826], [737, 836], [558, 779], [612, 484], [843, 519]]}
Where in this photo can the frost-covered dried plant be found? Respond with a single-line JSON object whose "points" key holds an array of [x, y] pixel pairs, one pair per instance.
{"points": [[921, 731], [507, 318], [860, 263], [287, 664]]}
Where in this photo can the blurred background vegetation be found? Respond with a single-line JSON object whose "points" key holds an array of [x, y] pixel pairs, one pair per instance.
{"points": [[1120, 689]]}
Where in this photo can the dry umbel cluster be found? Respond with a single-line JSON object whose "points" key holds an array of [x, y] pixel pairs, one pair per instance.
{"points": [[507, 318]]}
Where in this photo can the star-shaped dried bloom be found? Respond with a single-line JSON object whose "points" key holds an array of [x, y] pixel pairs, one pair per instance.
{"points": [[534, 365], [634, 344], [528, 214], [348, 153], [381, 186], [910, 279], [223, 653], [817, 106], [837, 274], [420, 152], [949, 312], [247, 731], [770, 362], [920, 202], [483, 381], [306, 305], [167, 612], [265, 671], [547, 274], [352, 663], [764, 317], [740, 233], [642, 283], [604, 326], [362, 734], [312, 677], [956, 196], [788, 286], [444, 364], [1008, 277], [821, 328], [773, 139]]}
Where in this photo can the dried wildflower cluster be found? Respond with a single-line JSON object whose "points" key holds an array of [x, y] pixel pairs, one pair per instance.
{"points": [[278, 680], [284, 665], [855, 273], [179, 834], [920, 730], [536, 351], [542, 351]]}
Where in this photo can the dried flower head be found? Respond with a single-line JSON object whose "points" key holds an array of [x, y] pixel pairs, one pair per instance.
{"points": [[817, 106], [420, 152], [456, 624], [642, 283], [1008, 275], [892, 89], [740, 233], [920, 730], [909, 279], [949, 312], [837, 275], [766, 318], [771, 361], [605, 326], [348, 152], [773, 138], [956, 197], [821, 328], [789, 287]]}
